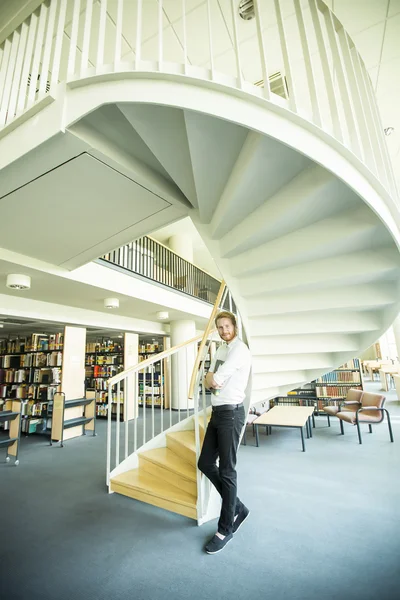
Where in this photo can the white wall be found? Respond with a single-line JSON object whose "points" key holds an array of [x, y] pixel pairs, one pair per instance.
{"points": [[13, 13]]}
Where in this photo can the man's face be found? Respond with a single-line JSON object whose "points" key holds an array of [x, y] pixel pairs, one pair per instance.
{"points": [[226, 329]]}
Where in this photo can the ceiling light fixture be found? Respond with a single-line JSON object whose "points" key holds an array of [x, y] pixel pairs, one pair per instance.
{"points": [[162, 315], [18, 282], [111, 303], [388, 130]]}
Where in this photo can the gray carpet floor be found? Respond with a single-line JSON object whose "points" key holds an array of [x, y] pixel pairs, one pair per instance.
{"points": [[324, 524]]}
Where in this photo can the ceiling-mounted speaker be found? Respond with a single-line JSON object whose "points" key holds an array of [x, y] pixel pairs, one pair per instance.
{"points": [[111, 303], [162, 315], [18, 282]]}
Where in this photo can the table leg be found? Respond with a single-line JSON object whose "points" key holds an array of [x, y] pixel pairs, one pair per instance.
{"points": [[313, 420], [309, 426], [257, 444], [302, 439], [307, 432]]}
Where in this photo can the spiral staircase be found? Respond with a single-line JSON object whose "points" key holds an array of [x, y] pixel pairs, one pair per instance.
{"points": [[298, 208]]}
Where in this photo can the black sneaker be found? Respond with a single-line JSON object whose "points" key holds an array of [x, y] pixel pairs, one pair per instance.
{"points": [[216, 544], [242, 516]]}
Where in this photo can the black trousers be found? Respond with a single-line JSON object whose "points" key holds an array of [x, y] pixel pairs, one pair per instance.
{"points": [[221, 441]]}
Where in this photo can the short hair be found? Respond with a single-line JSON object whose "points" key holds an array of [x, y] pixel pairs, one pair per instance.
{"points": [[225, 314]]}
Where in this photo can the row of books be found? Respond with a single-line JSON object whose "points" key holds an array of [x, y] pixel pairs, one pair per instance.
{"points": [[333, 391], [35, 342], [106, 346], [113, 359], [149, 390], [25, 391], [101, 397], [351, 364], [105, 371], [149, 401], [102, 410], [10, 361], [34, 409], [44, 375], [150, 348], [340, 377]]}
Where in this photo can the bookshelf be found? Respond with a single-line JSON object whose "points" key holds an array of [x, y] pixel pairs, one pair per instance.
{"points": [[31, 371], [333, 387], [104, 359], [151, 384], [329, 389]]}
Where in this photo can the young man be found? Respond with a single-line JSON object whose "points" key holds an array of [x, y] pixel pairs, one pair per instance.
{"points": [[227, 380]]}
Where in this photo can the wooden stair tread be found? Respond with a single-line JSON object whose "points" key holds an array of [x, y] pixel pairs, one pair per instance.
{"points": [[146, 483], [186, 438], [170, 461]]}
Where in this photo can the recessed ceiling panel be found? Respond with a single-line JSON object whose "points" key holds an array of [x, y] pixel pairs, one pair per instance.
{"points": [[71, 209]]}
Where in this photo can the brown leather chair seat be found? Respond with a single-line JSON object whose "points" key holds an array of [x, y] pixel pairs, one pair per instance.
{"points": [[371, 411], [352, 403]]}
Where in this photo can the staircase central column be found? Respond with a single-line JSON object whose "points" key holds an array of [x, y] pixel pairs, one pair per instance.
{"points": [[182, 363], [181, 331]]}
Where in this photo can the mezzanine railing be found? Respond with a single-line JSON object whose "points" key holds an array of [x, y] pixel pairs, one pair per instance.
{"points": [[150, 259], [295, 54]]}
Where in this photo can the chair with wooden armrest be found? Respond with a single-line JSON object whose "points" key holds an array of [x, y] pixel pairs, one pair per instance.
{"points": [[352, 403], [371, 412]]}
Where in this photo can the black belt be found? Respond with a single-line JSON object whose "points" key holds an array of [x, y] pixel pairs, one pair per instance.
{"points": [[227, 407]]}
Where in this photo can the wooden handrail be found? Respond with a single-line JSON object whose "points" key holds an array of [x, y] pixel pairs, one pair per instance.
{"points": [[153, 359], [209, 329]]}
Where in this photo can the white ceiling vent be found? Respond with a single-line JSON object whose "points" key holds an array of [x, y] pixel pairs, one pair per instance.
{"points": [[246, 9], [277, 83]]}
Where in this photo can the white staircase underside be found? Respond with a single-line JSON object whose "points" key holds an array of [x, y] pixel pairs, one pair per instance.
{"points": [[306, 243]]}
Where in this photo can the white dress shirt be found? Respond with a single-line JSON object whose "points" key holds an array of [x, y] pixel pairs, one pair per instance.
{"points": [[231, 366]]}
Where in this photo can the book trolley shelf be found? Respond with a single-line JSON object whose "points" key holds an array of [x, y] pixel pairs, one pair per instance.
{"points": [[11, 415], [329, 389], [63, 421]]}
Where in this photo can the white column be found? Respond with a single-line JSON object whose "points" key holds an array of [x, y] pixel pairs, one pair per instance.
{"points": [[396, 332], [182, 244], [182, 363], [384, 342], [131, 358]]}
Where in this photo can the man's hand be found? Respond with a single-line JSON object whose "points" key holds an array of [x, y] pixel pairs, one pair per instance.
{"points": [[210, 383]]}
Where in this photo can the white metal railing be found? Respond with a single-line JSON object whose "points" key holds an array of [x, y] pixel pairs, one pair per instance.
{"points": [[300, 43], [134, 393]]}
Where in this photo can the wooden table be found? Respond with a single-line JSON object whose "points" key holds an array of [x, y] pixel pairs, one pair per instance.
{"points": [[287, 416], [386, 370]]}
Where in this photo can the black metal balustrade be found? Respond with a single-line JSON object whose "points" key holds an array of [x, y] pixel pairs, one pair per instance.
{"points": [[152, 260]]}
